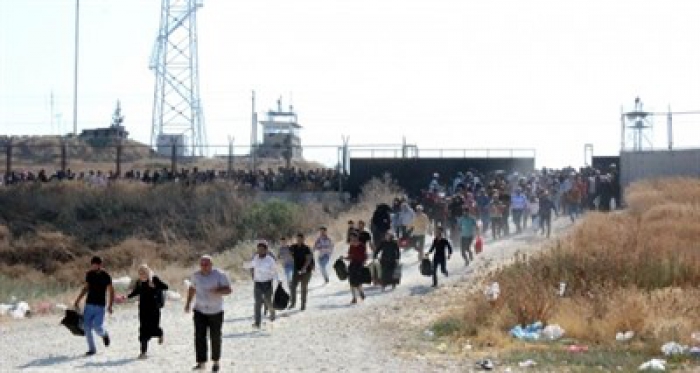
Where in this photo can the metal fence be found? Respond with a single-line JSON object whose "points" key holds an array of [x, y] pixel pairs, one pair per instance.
{"points": [[51, 156]]}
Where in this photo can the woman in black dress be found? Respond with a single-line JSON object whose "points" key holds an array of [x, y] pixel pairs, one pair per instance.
{"points": [[390, 257], [150, 290]]}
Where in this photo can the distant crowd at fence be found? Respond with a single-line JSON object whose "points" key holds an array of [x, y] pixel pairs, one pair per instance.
{"points": [[284, 179]]}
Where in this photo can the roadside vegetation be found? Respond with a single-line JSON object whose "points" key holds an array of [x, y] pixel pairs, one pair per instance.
{"points": [[48, 232], [637, 270]]}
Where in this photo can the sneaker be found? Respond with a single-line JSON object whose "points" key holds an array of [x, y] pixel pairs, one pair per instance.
{"points": [[106, 340], [256, 326], [90, 353], [303, 308], [215, 367], [143, 356], [199, 366]]}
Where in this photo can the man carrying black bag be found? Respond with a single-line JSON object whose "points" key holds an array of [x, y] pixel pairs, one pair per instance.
{"points": [[264, 272]]}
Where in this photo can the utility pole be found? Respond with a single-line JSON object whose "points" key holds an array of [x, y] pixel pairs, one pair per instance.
{"points": [[75, 68]]}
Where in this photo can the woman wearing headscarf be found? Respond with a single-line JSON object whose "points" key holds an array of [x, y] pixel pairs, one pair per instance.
{"points": [[150, 290], [390, 257]]}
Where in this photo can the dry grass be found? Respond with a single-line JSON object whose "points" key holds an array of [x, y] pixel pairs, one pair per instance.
{"points": [[49, 232], [638, 270]]}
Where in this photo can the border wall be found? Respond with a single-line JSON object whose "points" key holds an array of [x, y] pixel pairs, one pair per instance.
{"points": [[414, 174], [636, 166]]}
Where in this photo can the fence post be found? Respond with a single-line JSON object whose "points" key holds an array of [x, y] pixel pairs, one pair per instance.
{"points": [[64, 156], [230, 159], [173, 158], [119, 158], [8, 166]]}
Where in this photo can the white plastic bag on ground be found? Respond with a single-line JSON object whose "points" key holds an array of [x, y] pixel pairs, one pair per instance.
{"points": [[5, 309], [562, 289], [493, 291], [552, 332], [20, 310], [673, 348], [624, 336], [527, 363], [654, 364]]}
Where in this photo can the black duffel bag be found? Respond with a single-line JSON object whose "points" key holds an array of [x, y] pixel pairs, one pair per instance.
{"points": [[280, 299], [426, 267], [341, 269], [74, 322], [366, 275]]}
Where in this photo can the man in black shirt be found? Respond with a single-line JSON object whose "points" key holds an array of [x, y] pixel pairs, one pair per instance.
{"points": [[303, 265], [440, 245], [97, 283]]}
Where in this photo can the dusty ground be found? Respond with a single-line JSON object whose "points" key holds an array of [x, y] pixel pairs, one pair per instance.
{"points": [[382, 334]]}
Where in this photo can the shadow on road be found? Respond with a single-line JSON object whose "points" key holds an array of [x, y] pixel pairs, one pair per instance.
{"points": [[49, 361]]}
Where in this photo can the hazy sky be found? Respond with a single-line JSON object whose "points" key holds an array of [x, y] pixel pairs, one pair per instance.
{"points": [[550, 75]]}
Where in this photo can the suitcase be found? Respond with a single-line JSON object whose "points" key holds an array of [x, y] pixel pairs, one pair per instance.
{"points": [[74, 322], [280, 299], [426, 267]]}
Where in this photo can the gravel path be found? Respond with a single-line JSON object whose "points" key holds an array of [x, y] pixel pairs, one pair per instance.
{"points": [[330, 336]]}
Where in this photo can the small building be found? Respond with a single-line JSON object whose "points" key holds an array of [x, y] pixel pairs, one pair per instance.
{"points": [[281, 134], [165, 143], [107, 135]]}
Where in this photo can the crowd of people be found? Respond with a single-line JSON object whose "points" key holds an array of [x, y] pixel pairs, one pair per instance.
{"points": [[455, 212], [283, 179], [498, 198]]}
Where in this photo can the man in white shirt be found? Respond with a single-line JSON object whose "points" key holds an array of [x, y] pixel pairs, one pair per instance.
{"points": [[209, 285], [263, 271]]}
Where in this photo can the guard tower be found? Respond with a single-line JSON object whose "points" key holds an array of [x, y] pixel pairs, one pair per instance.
{"points": [[637, 126], [281, 134]]}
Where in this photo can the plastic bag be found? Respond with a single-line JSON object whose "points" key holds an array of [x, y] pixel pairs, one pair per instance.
{"points": [[479, 245], [280, 298], [552, 332]]}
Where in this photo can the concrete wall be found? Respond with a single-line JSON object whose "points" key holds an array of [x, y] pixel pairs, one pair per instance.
{"points": [[637, 166]]}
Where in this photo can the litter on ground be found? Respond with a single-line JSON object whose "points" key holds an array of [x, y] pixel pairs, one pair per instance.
{"points": [[654, 364]]}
